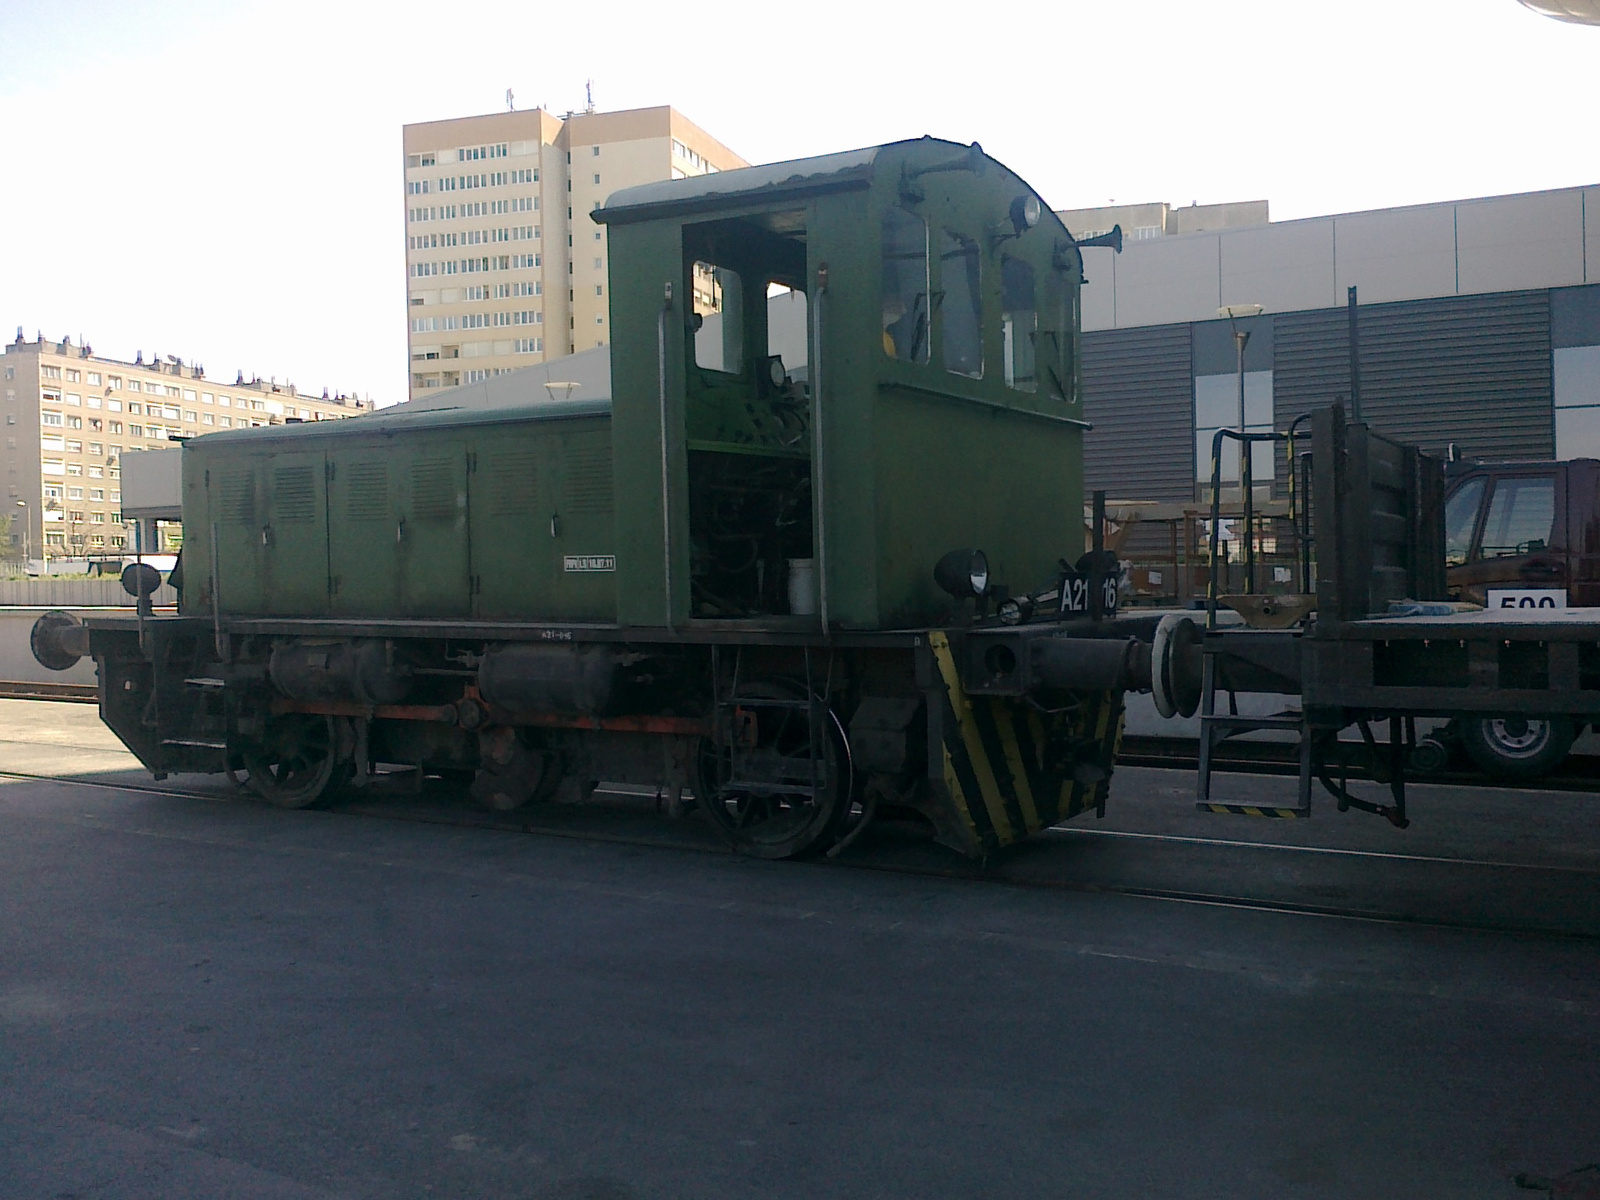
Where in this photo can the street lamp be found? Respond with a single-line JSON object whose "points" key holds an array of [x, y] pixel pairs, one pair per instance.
{"points": [[1240, 337], [1246, 484], [23, 505]]}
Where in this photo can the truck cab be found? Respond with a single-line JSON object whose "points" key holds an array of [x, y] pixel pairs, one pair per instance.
{"points": [[1525, 535], [1522, 535]]}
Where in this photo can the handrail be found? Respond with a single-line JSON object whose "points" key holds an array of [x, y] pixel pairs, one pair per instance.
{"points": [[1245, 441], [666, 499], [818, 459]]}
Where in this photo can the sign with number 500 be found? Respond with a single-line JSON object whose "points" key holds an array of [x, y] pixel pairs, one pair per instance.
{"points": [[1527, 599]]}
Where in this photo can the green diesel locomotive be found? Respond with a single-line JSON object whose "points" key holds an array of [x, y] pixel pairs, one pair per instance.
{"points": [[756, 580]]}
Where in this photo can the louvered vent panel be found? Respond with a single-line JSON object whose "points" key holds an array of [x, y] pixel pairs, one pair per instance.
{"points": [[1138, 391], [588, 471], [513, 483], [433, 489], [294, 497], [238, 498], [369, 491]]}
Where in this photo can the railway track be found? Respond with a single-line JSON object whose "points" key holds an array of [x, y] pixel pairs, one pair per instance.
{"points": [[1580, 773], [1050, 864], [72, 693]]}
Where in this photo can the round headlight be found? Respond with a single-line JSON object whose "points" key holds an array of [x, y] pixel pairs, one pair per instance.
{"points": [[775, 372], [978, 573], [1025, 212], [963, 573]]}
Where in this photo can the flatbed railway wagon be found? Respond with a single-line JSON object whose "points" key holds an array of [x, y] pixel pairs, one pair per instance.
{"points": [[749, 579]]}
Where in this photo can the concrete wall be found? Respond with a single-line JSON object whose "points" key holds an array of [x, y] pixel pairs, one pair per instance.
{"points": [[1496, 244]]}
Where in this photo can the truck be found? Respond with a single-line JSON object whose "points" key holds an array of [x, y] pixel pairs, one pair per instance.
{"points": [[1522, 536]]}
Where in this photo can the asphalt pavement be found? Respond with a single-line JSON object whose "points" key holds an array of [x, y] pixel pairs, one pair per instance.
{"points": [[200, 997]]}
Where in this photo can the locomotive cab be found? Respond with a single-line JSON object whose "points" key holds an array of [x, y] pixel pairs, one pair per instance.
{"points": [[827, 374]]}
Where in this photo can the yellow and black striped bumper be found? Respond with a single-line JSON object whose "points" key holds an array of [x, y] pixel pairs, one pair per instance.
{"points": [[1010, 769]]}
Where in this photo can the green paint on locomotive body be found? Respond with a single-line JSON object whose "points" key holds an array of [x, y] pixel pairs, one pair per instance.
{"points": [[553, 511], [503, 514], [917, 459]]}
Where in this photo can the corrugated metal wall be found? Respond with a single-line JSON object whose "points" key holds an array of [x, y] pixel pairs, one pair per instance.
{"points": [[1474, 370], [1138, 391]]}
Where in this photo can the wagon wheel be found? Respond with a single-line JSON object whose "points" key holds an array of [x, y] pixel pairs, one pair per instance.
{"points": [[296, 761], [770, 810]]}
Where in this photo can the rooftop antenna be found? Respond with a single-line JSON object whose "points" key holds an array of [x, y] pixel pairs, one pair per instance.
{"points": [[588, 95], [511, 101]]}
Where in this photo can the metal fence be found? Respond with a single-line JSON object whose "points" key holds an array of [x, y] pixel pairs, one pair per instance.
{"points": [[49, 592]]}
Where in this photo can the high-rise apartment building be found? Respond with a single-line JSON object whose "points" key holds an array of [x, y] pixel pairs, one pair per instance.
{"points": [[70, 415], [504, 267]]}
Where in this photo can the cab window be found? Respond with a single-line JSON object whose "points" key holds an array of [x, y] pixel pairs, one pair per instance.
{"points": [[1522, 514], [905, 286], [1019, 323], [1460, 517], [962, 306], [719, 304]]}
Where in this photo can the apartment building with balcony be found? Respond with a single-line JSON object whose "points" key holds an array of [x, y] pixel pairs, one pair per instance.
{"points": [[70, 415]]}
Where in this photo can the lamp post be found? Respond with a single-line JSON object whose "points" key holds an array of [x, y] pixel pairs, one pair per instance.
{"points": [[1240, 338], [23, 505]]}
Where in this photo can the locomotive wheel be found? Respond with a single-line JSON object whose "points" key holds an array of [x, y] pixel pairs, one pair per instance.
{"points": [[1517, 747], [298, 761], [509, 773], [771, 820]]}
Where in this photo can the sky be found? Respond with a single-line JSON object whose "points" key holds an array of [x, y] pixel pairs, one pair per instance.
{"points": [[222, 180]]}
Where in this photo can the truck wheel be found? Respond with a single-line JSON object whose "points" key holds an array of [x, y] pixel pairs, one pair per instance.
{"points": [[1517, 747]]}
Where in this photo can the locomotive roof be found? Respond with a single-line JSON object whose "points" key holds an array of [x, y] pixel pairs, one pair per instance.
{"points": [[826, 172], [381, 421]]}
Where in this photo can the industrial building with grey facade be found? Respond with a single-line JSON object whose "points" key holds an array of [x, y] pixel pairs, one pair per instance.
{"points": [[1478, 325]]}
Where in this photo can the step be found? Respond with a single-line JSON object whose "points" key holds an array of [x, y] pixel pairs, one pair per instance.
{"points": [[1251, 810]]}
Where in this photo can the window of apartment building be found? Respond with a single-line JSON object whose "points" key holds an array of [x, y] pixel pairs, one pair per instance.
{"points": [[94, 378], [72, 375], [135, 385], [188, 393], [50, 396], [225, 401], [96, 423], [114, 427], [74, 493], [96, 448], [11, 418], [225, 422], [206, 419], [11, 372], [597, 235], [136, 430], [95, 402], [599, 320], [134, 407], [599, 264], [74, 421], [597, 176], [114, 381], [75, 400], [113, 405], [51, 418], [74, 446], [529, 345], [599, 289], [50, 372], [191, 416], [96, 472]]}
